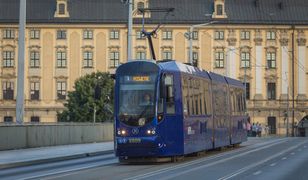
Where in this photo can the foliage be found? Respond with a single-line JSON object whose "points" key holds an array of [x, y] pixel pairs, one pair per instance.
{"points": [[93, 91]]}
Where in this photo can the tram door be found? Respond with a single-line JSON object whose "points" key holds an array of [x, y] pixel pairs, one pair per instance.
{"points": [[169, 124], [271, 121]]}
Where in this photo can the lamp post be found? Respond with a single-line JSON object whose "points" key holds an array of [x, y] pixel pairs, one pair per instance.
{"points": [[129, 27], [21, 63], [189, 36]]}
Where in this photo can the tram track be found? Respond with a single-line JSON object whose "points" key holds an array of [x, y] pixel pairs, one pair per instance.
{"points": [[204, 162], [62, 170]]}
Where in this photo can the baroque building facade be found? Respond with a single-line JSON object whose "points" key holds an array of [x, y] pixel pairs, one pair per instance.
{"points": [[71, 38]]}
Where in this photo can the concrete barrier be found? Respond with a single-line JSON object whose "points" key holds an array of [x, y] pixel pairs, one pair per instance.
{"points": [[39, 135]]}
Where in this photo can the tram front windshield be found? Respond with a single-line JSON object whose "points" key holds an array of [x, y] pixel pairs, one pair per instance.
{"points": [[137, 99]]}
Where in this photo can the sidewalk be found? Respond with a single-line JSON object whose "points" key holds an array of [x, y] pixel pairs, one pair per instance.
{"points": [[22, 157]]}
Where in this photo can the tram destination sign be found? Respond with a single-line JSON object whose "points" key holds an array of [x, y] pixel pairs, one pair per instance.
{"points": [[141, 78]]}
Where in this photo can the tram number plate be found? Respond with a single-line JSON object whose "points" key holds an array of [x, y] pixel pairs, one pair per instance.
{"points": [[134, 140]]}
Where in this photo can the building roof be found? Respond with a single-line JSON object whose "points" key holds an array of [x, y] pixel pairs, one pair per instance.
{"points": [[186, 11]]}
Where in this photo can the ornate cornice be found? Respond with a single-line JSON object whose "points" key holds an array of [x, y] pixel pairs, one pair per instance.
{"points": [[284, 42], [141, 47], [61, 77], [8, 46], [301, 41], [88, 47], [114, 47], [232, 41], [166, 47], [59, 47], [258, 41]]}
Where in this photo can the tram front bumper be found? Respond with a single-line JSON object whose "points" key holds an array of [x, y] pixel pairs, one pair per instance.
{"points": [[139, 146]]}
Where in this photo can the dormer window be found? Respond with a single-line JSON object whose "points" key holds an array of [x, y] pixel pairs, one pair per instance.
{"points": [[140, 4], [61, 11], [219, 11]]}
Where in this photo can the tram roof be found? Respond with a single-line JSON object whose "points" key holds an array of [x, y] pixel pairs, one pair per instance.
{"points": [[234, 82], [217, 78], [183, 68]]}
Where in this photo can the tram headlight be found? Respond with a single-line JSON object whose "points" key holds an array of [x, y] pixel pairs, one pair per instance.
{"points": [[151, 132], [121, 132]]}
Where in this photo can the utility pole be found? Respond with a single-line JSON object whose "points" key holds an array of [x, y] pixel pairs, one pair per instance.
{"points": [[245, 70], [21, 63], [293, 61], [287, 113], [94, 113], [130, 29], [189, 36]]}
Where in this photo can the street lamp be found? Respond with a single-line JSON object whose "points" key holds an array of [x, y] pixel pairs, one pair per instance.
{"points": [[130, 27], [21, 63], [189, 36]]}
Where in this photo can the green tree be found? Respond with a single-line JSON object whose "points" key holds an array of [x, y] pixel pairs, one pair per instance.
{"points": [[93, 92]]}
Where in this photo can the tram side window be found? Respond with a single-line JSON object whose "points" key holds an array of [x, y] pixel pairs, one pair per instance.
{"points": [[185, 96], [196, 96], [170, 106], [160, 106], [207, 98], [244, 102], [191, 97]]}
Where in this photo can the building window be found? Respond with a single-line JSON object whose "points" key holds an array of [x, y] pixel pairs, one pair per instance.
{"points": [[195, 57], [61, 59], [245, 60], [87, 59], [8, 59], [34, 59], [114, 59], [167, 35], [271, 35], [271, 91], [219, 59], [114, 34], [87, 34], [8, 119], [195, 35], [34, 90], [62, 9], [8, 90], [35, 119], [141, 55], [139, 35], [61, 90], [167, 55], [35, 34], [140, 5], [61, 34], [245, 35], [8, 34], [219, 35], [219, 10], [271, 59], [247, 90]]}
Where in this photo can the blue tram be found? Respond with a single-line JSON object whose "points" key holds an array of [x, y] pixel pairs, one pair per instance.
{"points": [[170, 109]]}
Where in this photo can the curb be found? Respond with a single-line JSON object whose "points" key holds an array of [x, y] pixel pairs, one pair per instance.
{"points": [[53, 159]]}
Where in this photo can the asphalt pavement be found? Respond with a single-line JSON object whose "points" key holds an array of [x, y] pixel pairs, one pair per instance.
{"points": [[31, 156]]}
